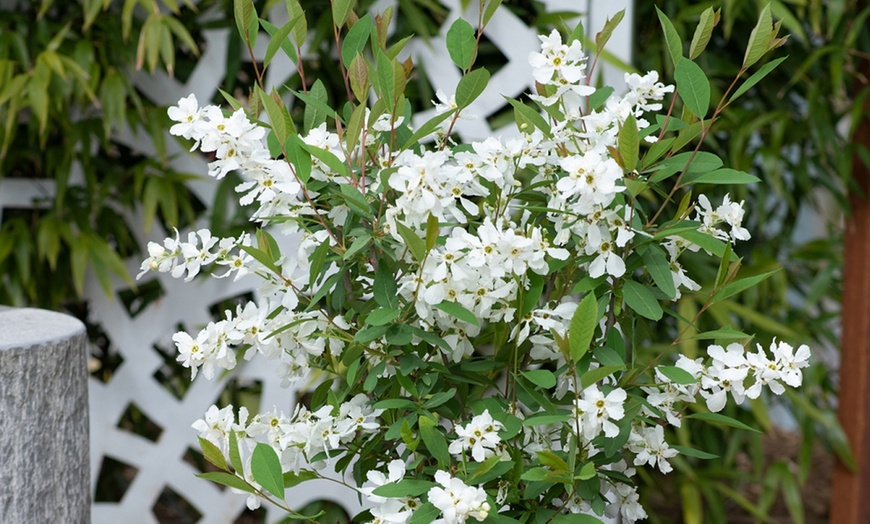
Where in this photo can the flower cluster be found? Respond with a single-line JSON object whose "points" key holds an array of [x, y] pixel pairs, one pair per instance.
{"points": [[468, 310]]}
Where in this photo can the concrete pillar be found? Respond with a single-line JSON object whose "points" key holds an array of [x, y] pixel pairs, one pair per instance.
{"points": [[44, 465]]}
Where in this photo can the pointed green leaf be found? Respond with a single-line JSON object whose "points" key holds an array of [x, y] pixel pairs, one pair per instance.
{"points": [[692, 452], [756, 77], [227, 479], [629, 144], [595, 375], [356, 39], [455, 310], [583, 324], [677, 375], [656, 262], [266, 469], [640, 299], [541, 377], [434, 440], [471, 86], [412, 241], [693, 87], [724, 420], [703, 32], [340, 11], [672, 37], [759, 38], [607, 31]]}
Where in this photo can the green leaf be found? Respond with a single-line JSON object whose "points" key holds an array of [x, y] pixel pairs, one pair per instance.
{"points": [[433, 229], [586, 472], [693, 87], [672, 37], [387, 79], [314, 114], [356, 39], [721, 334], [759, 38], [414, 243], [529, 116], [457, 311], [428, 128], [741, 285], [382, 316], [358, 73], [341, 10], [294, 479], [243, 11], [235, 457], [393, 403], [716, 418], [756, 77], [424, 514], [262, 258], [404, 488], [545, 419], [354, 198], [703, 32], [471, 86], [279, 38], [607, 31], [434, 440], [656, 262], [722, 176], [266, 469], [316, 99], [355, 127], [328, 158], [461, 43], [213, 454], [490, 9], [541, 377], [384, 288], [583, 324], [677, 375], [548, 458], [708, 243], [692, 452], [642, 300], [227, 479], [276, 114], [629, 144], [594, 375]]}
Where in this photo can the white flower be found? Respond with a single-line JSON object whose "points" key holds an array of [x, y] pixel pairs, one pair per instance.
{"points": [[457, 501], [597, 411], [480, 436], [651, 448]]}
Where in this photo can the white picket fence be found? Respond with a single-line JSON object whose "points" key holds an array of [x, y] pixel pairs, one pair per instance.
{"points": [[159, 463]]}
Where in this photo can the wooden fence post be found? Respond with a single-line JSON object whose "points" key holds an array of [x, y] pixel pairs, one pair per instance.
{"points": [[43, 418], [850, 498]]}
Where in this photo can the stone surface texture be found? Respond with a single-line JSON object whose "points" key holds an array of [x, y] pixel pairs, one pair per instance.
{"points": [[44, 418]]}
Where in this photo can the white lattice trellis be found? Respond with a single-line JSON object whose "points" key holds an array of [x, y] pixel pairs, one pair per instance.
{"points": [[160, 463]]}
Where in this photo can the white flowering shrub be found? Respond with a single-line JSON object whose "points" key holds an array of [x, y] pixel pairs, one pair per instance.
{"points": [[470, 311]]}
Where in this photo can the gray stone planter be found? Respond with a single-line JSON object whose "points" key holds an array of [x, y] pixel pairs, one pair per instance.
{"points": [[43, 418]]}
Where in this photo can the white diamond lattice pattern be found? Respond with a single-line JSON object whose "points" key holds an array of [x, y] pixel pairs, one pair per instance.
{"points": [[159, 463]]}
